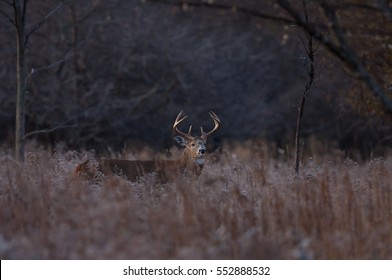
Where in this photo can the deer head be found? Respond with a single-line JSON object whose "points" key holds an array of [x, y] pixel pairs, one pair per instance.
{"points": [[195, 146]]}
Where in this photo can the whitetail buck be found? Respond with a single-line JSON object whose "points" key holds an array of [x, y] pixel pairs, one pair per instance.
{"points": [[190, 162]]}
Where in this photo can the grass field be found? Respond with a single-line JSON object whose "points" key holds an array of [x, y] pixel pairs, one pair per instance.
{"points": [[245, 205]]}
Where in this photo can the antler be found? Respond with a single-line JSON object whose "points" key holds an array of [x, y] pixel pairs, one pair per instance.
{"points": [[176, 130], [216, 122]]}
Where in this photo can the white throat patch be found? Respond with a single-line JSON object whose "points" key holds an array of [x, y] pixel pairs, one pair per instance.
{"points": [[199, 161]]}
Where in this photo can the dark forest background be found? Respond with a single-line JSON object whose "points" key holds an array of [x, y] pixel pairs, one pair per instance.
{"points": [[115, 73]]}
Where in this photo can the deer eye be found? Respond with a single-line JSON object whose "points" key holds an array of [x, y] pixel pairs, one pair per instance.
{"points": [[193, 144]]}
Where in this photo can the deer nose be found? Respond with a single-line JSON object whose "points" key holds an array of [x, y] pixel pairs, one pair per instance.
{"points": [[202, 151]]}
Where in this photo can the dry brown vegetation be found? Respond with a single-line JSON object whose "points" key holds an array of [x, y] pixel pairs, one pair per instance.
{"points": [[245, 205]]}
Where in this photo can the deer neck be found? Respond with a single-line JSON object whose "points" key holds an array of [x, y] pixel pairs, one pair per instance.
{"points": [[191, 165]]}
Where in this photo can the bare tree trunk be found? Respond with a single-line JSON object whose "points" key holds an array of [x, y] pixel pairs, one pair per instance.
{"points": [[310, 69], [300, 114], [20, 17], [22, 37]]}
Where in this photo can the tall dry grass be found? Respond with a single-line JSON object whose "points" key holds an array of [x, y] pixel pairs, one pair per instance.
{"points": [[245, 205]]}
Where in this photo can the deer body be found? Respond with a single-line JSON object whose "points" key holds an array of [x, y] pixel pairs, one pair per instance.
{"points": [[165, 169], [190, 162]]}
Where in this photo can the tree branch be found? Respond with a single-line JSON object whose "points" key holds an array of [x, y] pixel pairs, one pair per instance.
{"points": [[9, 18], [38, 24], [57, 127], [34, 71], [341, 51]]}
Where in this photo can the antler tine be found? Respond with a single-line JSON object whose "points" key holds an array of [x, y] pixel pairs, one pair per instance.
{"points": [[177, 122], [216, 125]]}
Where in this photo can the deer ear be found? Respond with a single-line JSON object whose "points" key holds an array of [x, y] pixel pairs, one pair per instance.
{"points": [[180, 141]]}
